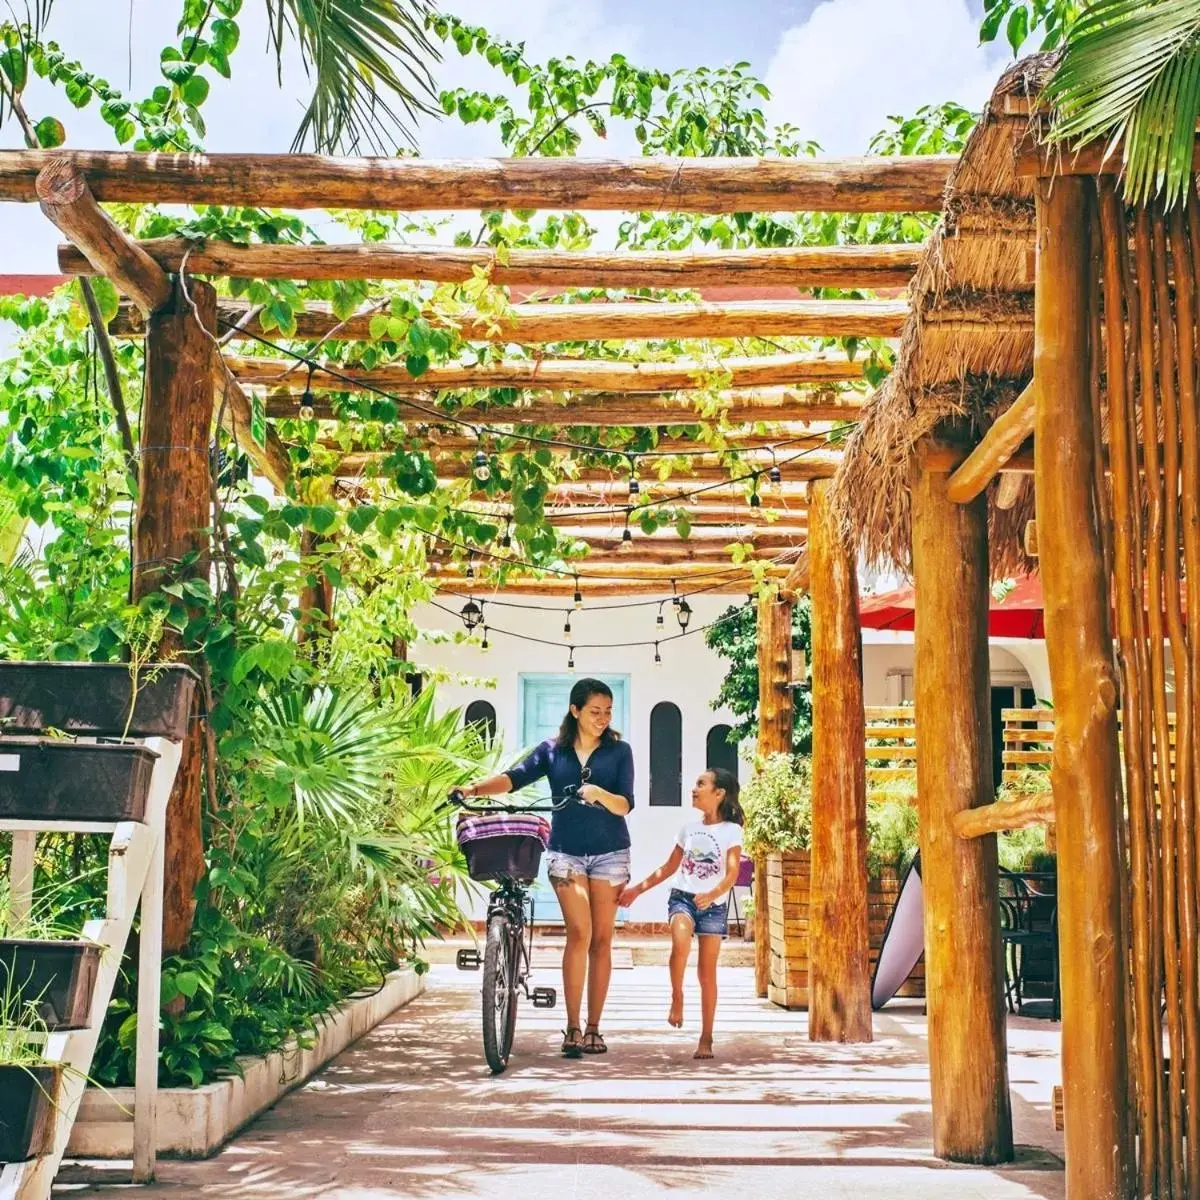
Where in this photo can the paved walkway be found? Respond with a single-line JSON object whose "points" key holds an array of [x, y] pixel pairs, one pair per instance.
{"points": [[412, 1111]]}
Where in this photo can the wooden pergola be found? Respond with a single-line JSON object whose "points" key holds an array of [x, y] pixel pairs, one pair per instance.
{"points": [[775, 413]]}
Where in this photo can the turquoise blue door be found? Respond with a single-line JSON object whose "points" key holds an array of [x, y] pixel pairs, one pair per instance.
{"points": [[543, 700]]}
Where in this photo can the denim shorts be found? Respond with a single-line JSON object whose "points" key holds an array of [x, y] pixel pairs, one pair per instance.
{"points": [[713, 919], [612, 867]]}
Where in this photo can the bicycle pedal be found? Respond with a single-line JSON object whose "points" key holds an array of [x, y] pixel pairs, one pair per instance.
{"points": [[544, 997], [468, 960]]}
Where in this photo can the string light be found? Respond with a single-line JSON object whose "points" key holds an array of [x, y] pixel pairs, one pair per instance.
{"points": [[567, 627], [775, 475], [470, 564], [472, 615], [306, 401], [657, 656], [506, 540], [755, 499], [578, 594], [627, 536], [571, 659], [683, 613], [659, 622], [481, 469], [485, 645], [634, 487]]}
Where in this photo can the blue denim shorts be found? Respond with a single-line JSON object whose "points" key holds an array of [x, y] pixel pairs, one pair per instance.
{"points": [[613, 866], [713, 919]]}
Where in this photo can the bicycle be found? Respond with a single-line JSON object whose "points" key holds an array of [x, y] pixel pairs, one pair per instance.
{"points": [[508, 947]]}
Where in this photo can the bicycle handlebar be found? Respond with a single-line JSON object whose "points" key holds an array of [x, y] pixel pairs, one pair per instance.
{"points": [[458, 798]]}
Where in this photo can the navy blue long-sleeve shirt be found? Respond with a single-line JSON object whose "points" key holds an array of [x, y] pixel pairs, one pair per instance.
{"points": [[581, 828]]}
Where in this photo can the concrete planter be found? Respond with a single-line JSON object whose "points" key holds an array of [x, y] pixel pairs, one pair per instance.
{"points": [[196, 1122]]}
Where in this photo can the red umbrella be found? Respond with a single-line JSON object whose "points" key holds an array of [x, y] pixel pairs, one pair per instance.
{"points": [[1017, 615]]}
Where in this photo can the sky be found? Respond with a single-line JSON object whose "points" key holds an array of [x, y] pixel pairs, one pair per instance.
{"points": [[836, 68]]}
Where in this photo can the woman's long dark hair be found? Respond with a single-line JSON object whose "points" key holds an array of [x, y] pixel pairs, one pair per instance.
{"points": [[730, 808], [581, 693]]}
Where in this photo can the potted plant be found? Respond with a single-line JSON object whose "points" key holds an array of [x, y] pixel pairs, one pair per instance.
{"points": [[778, 806], [29, 1086]]}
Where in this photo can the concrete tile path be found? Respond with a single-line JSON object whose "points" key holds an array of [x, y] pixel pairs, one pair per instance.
{"points": [[412, 1111]]}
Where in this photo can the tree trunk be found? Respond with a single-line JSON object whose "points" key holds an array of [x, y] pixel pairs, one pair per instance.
{"points": [[839, 1008], [1084, 775], [964, 971], [774, 737], [174, 510]]}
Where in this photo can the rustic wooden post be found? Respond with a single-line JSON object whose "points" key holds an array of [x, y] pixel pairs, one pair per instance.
{"points": [[316, 595], [173, 513], [839, 972], [774, 737], [1084, 773], [964, 971]]}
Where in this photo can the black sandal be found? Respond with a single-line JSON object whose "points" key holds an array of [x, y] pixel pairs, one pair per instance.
{"points": [[572, 1046], [593, 1043]]}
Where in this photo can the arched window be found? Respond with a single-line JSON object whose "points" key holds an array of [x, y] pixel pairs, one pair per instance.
{"points": [[719, 751], [482, 713], [666, 755]]}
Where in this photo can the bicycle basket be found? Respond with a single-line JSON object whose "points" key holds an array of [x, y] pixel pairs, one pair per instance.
{"points": [[503, 845]]}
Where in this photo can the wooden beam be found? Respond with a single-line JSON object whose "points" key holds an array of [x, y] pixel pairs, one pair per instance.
{"points": [[736, 585], [785, 444], [701, 516], [1005, 437], [871, 266], [774, 737], [766, 405], [1012, 484], [799, 577], [1085, 773], [964, 970], [531, 324], [63, 194], [172, 521], [702, 538], [945, 457], [1034, 809], [562, 374], [271, 460], [812, 466], [839, 979], [1033, 159], [660, 574], [305, 181]]}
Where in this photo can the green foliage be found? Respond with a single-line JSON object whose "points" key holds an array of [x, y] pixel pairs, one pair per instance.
{"points": [[734, 636], [1020, 20], [1130, 74], [778, 805]]}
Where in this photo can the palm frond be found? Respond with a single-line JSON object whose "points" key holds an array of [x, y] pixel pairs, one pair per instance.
{"points": [[367, 59], [1130, 74]]}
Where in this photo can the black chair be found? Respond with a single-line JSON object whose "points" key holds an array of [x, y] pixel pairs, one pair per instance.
{"points": [[1029, 930]]}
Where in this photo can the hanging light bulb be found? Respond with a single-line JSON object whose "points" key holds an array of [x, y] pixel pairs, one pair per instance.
{"points": [[471, 615], [775, 475], [659, 621], [506, 540], [571, 660], [657, 656], [306, 401], [481, 469], [471, 564], [567, 627], [755, 500], [578, 594], [683, 613], [634, 487], [484, 645], [627, 536]]}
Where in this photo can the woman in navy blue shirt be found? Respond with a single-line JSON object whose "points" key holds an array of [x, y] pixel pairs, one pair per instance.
{"points": [[588, 859]]}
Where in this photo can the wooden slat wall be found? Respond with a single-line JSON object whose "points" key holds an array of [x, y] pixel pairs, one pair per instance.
{"points": [[893, 756]]}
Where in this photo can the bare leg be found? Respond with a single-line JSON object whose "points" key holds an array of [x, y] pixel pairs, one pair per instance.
{"points": [[573, 898], [706, 968], [603, 898], [681, 945]]}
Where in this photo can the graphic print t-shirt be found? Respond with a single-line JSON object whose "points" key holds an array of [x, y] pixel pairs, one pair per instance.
{"points": [[704, 849]]}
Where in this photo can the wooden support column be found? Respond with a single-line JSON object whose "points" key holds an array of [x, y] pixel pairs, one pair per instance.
{"points": [[1084, 774], [174, 510], [964, 971], [839, 971], [774, 737]]}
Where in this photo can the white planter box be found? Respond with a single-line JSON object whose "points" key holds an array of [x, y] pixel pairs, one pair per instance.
{"points": [[196, 1122]]}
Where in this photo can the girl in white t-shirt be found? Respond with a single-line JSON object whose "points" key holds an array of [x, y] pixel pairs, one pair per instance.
{"points": [[705, 862]]}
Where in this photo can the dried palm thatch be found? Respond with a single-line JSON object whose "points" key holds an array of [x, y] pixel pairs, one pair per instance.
{"points": [[966, 351]]}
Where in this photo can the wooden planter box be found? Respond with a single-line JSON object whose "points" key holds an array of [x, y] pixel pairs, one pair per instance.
{"points": [[57, 976], [47, 779], [28, 1100], [93, 699], [787, 917]]}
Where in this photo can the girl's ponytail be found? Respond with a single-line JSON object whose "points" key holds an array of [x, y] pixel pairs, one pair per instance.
{"points": [[730, 808]]}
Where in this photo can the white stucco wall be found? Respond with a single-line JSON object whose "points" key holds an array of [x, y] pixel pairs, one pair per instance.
{"points": [[689, 676]]}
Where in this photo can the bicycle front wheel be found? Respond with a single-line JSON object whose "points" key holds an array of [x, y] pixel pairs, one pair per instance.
{"points": [[499, 994]]}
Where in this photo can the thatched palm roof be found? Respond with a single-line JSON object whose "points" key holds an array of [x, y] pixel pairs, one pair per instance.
{"points": [[966, 351]]}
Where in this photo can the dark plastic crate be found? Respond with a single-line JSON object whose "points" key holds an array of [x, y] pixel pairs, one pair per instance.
{"points": [[47, 779], [56, 976], [93, 699], [28, 1106]]}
